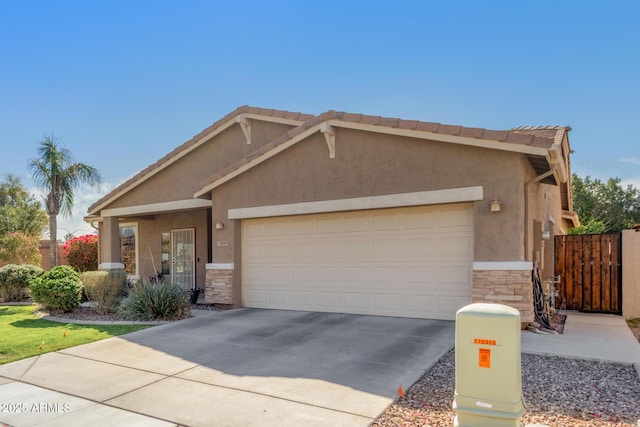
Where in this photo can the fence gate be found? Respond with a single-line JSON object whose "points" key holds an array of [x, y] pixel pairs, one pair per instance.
{"points": [[590, 269]]}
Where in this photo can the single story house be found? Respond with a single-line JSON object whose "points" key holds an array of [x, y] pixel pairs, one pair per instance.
{"points": [[346, 213]]}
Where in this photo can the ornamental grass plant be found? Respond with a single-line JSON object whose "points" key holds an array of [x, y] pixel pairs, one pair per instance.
{"points": [[155, 301]]}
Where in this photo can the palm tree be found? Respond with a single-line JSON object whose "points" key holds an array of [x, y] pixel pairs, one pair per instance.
{"points": [[58, 175]]}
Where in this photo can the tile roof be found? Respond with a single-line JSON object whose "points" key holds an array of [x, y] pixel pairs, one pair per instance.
{"points": [[515, 136], [535, 136], [552, 132], [522, 136]]}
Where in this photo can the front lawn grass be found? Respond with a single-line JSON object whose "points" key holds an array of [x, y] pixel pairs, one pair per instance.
{"points": [[23, 334]]}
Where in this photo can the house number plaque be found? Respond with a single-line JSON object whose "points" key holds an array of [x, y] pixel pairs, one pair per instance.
{"points": [[222, 243]]}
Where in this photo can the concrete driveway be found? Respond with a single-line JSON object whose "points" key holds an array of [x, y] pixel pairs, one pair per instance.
{"points": [[246, 367]]}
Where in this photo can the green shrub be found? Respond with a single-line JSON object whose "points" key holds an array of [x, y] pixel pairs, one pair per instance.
{"points": [[59, 288], [14, 281], [105, 288], [155, 301]]}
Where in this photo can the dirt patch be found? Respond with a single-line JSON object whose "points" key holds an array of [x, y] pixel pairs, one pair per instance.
{"points": [[557, 322], [89, 314]]}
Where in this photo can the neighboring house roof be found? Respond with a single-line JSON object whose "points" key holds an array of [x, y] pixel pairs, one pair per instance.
{"points": [[542, 145]]}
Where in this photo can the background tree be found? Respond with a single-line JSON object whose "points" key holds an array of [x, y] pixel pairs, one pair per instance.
{"points": [[22, 221], [56, 172], [604, 207]]}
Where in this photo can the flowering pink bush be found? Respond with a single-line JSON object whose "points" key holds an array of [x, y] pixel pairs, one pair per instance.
{"points": [[82, 252]]}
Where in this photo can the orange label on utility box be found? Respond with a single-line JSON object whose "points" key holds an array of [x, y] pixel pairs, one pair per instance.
{"points": [[484, 357], [484, 341]]}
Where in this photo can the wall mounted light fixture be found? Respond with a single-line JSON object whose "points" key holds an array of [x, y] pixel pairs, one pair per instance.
{"points": [[495, 205], [219, 225]]}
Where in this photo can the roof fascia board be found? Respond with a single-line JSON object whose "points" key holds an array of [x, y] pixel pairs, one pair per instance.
{"points": [[178, 205], [198, 143], [475, 142], [282, 120], [419, 198], [557, 163], [257, 160]]}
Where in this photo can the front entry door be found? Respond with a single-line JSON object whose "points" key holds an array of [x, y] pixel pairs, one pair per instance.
{"points": [[183, 257]]}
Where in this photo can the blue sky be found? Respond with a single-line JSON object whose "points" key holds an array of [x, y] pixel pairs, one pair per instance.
{"points": [[121, 83]]}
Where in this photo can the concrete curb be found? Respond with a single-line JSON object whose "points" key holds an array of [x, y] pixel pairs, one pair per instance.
{"points": [[46, 316]]}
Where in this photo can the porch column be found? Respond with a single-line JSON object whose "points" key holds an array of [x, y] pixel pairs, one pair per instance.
{"points": [[110, 245], [222, 284]]}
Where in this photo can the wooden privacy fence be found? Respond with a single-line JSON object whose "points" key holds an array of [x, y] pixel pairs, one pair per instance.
{"points": [[590, 269]]}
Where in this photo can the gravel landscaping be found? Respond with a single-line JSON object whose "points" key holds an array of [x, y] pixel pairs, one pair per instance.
{"points": [[557, 392]]}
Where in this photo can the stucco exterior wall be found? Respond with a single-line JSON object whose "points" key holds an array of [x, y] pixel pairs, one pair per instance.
{"points": [[368, 164], [182, 179], [545, 208], [149, 240], [630, 274]]}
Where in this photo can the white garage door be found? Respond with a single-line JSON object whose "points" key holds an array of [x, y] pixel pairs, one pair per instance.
{"points": [[408, 262]]}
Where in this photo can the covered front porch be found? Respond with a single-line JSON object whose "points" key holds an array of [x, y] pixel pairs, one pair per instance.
{"points": [[171, 241]]}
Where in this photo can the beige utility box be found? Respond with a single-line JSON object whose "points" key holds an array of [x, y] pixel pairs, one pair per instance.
{"points": [[488, 370]]}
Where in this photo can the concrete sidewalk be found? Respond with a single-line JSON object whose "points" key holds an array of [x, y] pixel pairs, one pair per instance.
{"points": [[603, 337]]}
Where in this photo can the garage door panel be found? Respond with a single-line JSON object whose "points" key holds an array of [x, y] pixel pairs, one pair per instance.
{"points": [[301, 298], [256, 251], [355, 223], [420, 247], [329, 275], [328, 250], [419, 221], [451, 304], [329, 300], [385, 275], [298, 228], [278, 297], [302, 274], [255, 274], [420, 277], [357, 249], [386, 302], [278, 251], [355, 275], [277, 228], [255, 296], [422, 303], [385, 248], [385, 220], [301, 251], [279, 273], [455, 246], [356, 301], [454, 216], [252, 230], [412, 262], [328, 225]]}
